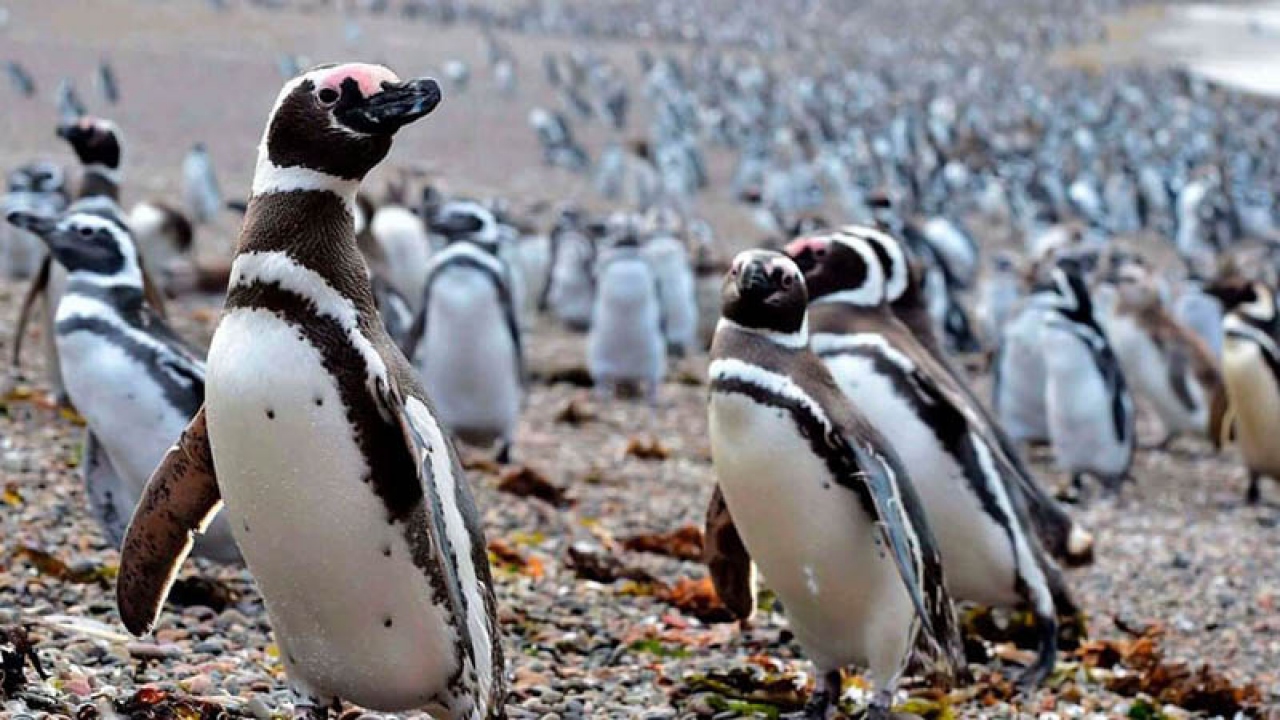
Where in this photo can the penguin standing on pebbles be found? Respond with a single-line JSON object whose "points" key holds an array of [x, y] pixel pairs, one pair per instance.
{"points": [[1089, 409], [134, 381], [819, 498], [344, 494], [961, 475], [467, 346], [626, 342], [1251, 369]]}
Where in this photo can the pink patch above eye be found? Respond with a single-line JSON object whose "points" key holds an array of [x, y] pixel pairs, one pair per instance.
{"points": [[368, 77], [799, 245]]}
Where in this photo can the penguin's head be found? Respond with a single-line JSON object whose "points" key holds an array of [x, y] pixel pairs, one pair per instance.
{"points": [[467, 220], [87, 239], [339, 120], [1252, 299], [840, 266], [764, 290], [94, 140]]}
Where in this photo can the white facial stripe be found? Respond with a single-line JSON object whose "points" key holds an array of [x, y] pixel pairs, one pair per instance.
{"points": [[442, 475], [796, 340], [112, 175], [896, 282], [1235, 325], [271, 178], [277, 267], [1263, 308], [775, 383]]}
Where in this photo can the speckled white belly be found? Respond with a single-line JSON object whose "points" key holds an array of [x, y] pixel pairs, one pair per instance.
{"points": [[811, 539], [352, 613]]}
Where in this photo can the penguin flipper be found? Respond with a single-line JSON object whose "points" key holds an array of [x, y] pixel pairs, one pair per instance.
{"points": [[101, 481], [180, 501], [35, 290], [905, 531], [732, 572]]}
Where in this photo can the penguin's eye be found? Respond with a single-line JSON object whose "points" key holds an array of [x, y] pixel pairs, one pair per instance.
{"points": [[733, 271], [787, 281], [328, 96], [820, 252], [85, 232]]}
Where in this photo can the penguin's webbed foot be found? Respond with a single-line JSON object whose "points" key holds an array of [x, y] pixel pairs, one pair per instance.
{"points": [[1047, 657], [822, 703]]}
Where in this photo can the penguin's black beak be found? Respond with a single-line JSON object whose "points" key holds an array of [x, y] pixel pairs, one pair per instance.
{"points": [[395, 106], [38, 225], [70, 131]]}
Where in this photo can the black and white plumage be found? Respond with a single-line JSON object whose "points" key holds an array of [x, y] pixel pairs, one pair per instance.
{"points": [[337, 478], [677, 294], [467, 347], [571, 282], [1060, 534], [819, 498], [1090, 410], [136, 383], [963, 478], [39, 188], [1251, 371]]}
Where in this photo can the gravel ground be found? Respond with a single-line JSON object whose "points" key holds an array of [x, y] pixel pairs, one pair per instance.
{"points": [[592, 628], [1178, 551]]}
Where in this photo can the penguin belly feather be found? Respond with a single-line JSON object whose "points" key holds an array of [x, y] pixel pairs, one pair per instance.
{"points": [[1255, 401], [353, 614], [812, 540]]}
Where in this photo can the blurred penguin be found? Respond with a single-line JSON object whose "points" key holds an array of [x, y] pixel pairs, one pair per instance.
{"points": [[626, 342], [570, 290], [466, 344], [200, 190], [669, 258], [998, 296]]}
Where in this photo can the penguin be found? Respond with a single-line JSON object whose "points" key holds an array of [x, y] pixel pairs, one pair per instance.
{"points": [[998, 295], [669, 258], [820, 500], [1202, 313], [626, 343], [962, 477], [200, 192], [466, 345], [1019, 374], [20, 78], [471, 221], [1251, 372], [1089, 407], [130, 376], [40, 188], [1066, 539], [164, 237], [343, 492], [405, 251], [1169, 365], [106, 81], [70, 107], [571, 283], [96, 143]]}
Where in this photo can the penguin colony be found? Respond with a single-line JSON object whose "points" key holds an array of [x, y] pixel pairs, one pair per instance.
{"points": [[859, 474]]}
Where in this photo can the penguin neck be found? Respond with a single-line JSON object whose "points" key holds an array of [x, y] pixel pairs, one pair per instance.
{"points": [[123, 291], [100, 181], [842, 317], [313, 228]]}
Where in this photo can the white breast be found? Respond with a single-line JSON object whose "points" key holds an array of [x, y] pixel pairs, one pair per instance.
{"points": [[467, 357], [1081, 425], [810, 538], [626, 341], [1148, 369], [332, 570], [1020, 402]]}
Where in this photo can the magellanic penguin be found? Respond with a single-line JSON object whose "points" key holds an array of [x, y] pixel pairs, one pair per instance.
{"points": [[466, 343], [1058, 531], [819, 498], [571, 283], [626, 342], [1087, 400], [134, 381], [343, 491], [669, 258], [1251, 370], [1168, 364], [963, 479]]}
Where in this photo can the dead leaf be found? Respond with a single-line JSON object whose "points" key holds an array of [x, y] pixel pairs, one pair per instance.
{"points": [[11, 496], [646, 449], [696, 598], [524, 481], [503, 553], [47, 563], [683, 544]]}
